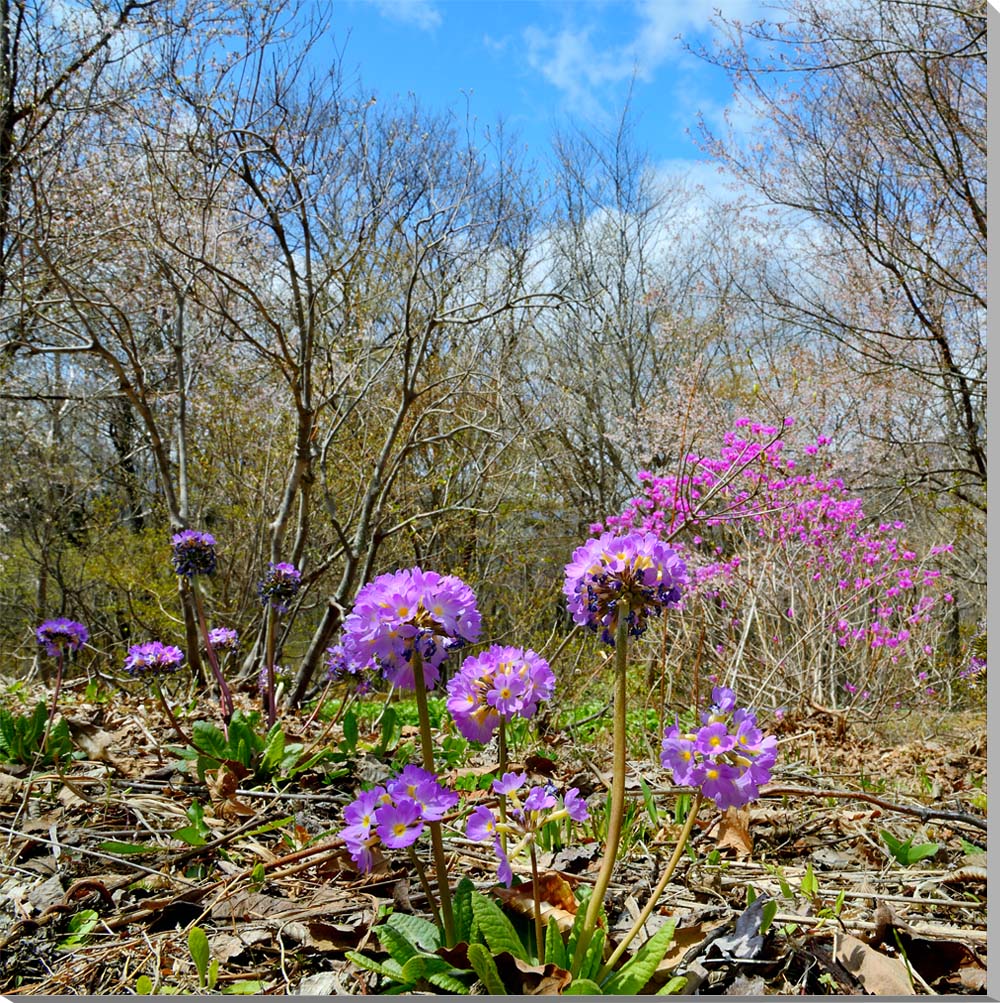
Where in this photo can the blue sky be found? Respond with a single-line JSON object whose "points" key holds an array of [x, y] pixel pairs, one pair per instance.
{"points": [[542, 64]]}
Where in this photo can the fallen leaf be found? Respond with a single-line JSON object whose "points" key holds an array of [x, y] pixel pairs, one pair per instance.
{"points": [[734, 832], [877, 973], [556, 899]]}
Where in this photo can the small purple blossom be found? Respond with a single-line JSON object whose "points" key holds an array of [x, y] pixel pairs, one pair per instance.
{"points": [[481, 824], [279, 586], [576, 806], [399, 824], [728, 757], [509, 783], [61, 636], [405, 613], [193, 553], [223, 639], [152, 659], [499, 683], [339, 667], [638, 570]]}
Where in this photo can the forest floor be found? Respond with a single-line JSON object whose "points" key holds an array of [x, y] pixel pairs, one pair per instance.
{"points": [[108, 863]]}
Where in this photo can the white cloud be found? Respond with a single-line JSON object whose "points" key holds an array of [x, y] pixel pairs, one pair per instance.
{"points": [[579, 63], [422, 14]]}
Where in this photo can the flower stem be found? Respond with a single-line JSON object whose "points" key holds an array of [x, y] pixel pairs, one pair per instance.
{"points": [[225, 696], [55, 699], [178, 730], [616, 811], [437, 845], [539, 927], [656, 893], [269, 644], [502, 798]]}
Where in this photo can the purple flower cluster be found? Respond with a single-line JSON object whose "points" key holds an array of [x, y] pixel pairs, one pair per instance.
{"points": [[194, 553], [279, 586], [524, 817], [223, 638], [152, 659], [61, 635], [394, 815], [339, 667], [499, 683], [728, 757], [639, 570], [408, 612]]}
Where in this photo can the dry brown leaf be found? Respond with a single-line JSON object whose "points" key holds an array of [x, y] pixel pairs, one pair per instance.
{"points": [[878, 974], [555, 895], [734, 832]]}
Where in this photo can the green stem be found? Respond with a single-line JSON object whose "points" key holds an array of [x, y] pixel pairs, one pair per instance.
{"points": [[178, 730], [55, 700], [502, 798], [616, 811], [225, 695], [269, 645], [682, 839], [539, 926], [437, 844]]}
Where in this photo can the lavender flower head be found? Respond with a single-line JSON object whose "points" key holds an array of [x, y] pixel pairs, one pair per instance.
{"points": [[280, 676], [639, 570], [152, 659], [194, 553], [61, 635], [223, 639], [394, 815], [339, 667], [728, 757], [279, 586], [410, 612], [499, 683]]}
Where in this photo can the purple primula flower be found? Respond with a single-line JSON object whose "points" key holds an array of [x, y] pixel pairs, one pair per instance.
{"points": [[481, 824], [340, 667], [399, 824], [499, 683], [719, 784], [713, 739], [539, 799], [509, 783], [223, 639], [61, 636], [639, 570], [152, 659], [279, 586], [505, 875], [422, 787], [410, 612], [576, 806], [728, 765], [193, 553]]}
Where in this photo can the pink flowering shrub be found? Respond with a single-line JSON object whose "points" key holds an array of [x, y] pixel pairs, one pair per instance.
{"points": [[788, 576]]}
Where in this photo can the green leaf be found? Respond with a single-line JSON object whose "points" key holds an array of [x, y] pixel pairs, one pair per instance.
{"points": [[189, 834], [113, 846], [675, 985], [593, 956], [144, 986], [396, 944], [79, 927], [350, 726], [486, 968], [274, 750], [632, 977], [647, 797], [248, 987], [583, 987], [461, 907], [210, 739], [767, 913], [391, 969], [905, 853], [810, 883], [417, 930], [198, 946], [497, 929], [555, 947]]}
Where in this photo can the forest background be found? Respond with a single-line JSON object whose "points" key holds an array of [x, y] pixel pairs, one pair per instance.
{"points": [[241, 295]]}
